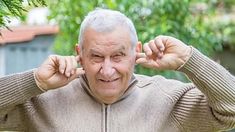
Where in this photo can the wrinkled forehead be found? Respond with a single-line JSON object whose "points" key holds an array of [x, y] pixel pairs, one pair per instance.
{"points": [[117, 39], [108, 50], [102, 49]]}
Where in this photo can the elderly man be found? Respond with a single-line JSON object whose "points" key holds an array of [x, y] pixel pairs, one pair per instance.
{"points": [[105, 96]]}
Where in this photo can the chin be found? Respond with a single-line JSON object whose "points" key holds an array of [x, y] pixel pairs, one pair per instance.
{"points": [[109, 96], [109, 101]]}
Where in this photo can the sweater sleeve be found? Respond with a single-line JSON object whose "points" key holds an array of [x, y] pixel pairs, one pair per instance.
{"points": [[211, 105], [16, 89]]}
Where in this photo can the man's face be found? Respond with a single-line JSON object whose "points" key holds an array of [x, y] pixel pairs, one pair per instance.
{"points": [[108, 60]]}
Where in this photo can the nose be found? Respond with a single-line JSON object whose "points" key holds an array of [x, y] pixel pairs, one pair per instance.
{"points": [[107, 70]]}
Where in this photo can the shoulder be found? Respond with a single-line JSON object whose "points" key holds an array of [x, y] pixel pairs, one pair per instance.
{"points": [[67, 92], [157, 80], [170, 87], [74, 87]]}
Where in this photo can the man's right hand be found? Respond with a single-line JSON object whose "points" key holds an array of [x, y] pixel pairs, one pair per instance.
{"points": [[57, 71]]}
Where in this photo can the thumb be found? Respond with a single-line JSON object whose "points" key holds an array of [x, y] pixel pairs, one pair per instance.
{"points": [[79, 71], [145, 61], [141, 58], [141, 61]]}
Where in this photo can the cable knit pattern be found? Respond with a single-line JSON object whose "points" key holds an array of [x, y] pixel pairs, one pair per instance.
{"points": [[151, 104]]}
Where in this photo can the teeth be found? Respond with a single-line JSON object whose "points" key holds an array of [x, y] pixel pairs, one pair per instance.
{"points": [[107, 80]]}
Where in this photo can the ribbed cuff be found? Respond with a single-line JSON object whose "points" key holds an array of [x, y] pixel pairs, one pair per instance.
{"points": [[196, 64], [43, 90], [27, 85]]}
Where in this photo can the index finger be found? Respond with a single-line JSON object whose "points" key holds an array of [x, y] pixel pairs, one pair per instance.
{"points": [[78, 58], [159, 43], [140, 55], [147, 49]]}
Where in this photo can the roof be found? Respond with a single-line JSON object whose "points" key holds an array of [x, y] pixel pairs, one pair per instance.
{"points": [[25, 33]]}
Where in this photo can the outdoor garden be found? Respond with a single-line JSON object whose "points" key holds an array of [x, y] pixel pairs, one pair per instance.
{"points": [[208, 25]]}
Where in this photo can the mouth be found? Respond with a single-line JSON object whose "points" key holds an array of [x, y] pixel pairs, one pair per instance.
{"points": [[108, 80]]}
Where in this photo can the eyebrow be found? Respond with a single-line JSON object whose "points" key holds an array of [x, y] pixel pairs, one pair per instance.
{"points": [[120, 49], [95, 51]]}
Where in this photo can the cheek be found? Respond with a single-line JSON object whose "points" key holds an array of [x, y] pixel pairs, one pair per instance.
{"points": [[91, 69], [126, 67], [131, 62]]}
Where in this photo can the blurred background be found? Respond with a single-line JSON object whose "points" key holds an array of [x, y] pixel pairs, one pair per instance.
{"points": [[33, 29], [30, 30]]}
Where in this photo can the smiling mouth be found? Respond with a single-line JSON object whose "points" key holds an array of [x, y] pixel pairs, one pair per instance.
{"points": [[108, 81]]}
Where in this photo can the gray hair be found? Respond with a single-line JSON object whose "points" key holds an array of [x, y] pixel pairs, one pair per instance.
{"points": [[105, 20]]}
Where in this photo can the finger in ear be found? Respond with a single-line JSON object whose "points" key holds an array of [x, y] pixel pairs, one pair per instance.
{"points": [[138, 47], [77, 49]]}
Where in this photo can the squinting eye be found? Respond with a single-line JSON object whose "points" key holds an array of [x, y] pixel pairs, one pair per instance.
{"points": [[97, 58], [118, 57]]}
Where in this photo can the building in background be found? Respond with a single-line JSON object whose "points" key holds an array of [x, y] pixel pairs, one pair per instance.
{"points": [[28, 43], [25, 47]]}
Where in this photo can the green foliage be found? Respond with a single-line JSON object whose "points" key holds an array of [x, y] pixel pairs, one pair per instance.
{"points": [[228, 4], [14, 8], [228, 33], [176, 18]]}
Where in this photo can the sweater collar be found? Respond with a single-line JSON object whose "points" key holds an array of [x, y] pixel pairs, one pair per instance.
{"points": [[130, 89]]}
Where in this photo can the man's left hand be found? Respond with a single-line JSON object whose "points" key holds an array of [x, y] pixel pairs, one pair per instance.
{"points": [[164, 53]]}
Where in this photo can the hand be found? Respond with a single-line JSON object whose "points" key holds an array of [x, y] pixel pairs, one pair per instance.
{"points": [[57, 71], [164, 53]]}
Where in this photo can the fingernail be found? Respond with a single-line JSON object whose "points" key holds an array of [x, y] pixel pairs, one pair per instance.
{"points": [[83, 72], [61, 71], [72, 72], [149, 53], [68, 74]]}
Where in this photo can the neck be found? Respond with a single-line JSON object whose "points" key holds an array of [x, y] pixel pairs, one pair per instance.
{"points": [[109, 100]]}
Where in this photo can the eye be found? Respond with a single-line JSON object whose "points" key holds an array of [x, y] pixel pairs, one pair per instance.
{"points": [[97, 58], [118, 57]]}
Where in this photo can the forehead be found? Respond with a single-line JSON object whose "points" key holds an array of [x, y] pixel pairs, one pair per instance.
{"points": [[103, 50], [116, 40]]}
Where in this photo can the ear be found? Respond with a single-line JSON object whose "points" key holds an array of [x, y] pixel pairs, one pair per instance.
{"points": [[138, 47], [77, 49]]}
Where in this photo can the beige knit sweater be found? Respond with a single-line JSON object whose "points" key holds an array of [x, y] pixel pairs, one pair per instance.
{"points": [[151, 104]]}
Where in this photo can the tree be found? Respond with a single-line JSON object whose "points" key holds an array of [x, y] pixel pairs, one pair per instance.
{"points": [[178, 18], [15, 8]]}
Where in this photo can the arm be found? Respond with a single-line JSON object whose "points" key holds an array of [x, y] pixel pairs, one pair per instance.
{"points": [[211, 105], [215, 108], [17, 88], [55, 72]]}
